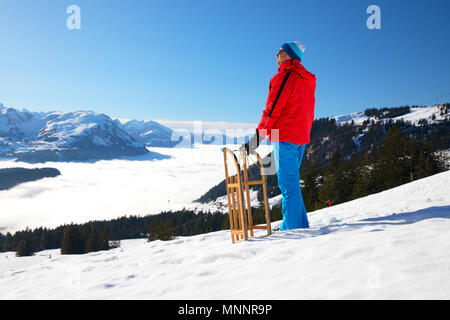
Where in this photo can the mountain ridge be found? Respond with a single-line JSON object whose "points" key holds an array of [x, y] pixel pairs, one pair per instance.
{"points": [[83, 135], [63, 136]]}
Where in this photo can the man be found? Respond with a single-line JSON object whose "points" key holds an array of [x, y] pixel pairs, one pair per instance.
{"points": [[287, 121]]}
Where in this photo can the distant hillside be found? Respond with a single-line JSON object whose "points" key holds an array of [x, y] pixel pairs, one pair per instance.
{"points": [[361, 137], [11, 177]]}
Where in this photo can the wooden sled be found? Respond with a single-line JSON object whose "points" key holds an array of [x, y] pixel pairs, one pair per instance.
{"points": [[238, 189]]}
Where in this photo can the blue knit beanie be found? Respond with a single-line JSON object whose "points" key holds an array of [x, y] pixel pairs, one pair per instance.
{"points": [[294, 49]]}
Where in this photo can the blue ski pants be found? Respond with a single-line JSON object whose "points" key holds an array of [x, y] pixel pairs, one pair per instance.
{"points": [[288, 157]]}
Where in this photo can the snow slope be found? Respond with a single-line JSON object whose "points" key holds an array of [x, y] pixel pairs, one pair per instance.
{"points": [[414, 116], [391, 245]]}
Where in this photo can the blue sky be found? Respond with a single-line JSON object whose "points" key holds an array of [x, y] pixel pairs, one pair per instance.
{"points": [[212, 60]]}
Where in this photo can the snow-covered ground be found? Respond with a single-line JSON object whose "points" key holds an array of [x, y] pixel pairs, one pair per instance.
{"points": [[391, 245], [168, 180]]}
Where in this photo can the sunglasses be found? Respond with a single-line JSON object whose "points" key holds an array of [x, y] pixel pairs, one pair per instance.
{"points": [[280, 52]]}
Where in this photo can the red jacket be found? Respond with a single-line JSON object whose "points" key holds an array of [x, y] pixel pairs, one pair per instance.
{"points": [[290, 105]]}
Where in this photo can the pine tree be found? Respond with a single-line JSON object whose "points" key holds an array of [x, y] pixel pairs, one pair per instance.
{"points": [[276, 214], [333, 181], [310, 190], [24, 248], [94, 242], [72, 242], [258, 214], [226, 222], [392, 167], [363, 184], [8, 243], [427, 162], [161, 230]]}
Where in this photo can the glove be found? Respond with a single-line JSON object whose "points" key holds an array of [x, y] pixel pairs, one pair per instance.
{"points": [[252, 144]]}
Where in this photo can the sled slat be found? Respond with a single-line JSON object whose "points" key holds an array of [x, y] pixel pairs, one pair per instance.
{"points": [[238, 195], [254, 182]]}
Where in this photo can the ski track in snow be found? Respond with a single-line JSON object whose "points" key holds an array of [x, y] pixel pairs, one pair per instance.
{"points": [[390, 245]]}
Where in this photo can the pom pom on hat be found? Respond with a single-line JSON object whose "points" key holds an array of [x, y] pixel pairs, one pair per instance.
{"points": [[294, 49]]}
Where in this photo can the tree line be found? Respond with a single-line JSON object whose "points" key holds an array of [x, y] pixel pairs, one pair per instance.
{"points": [[104, 235], [71, 239], [397, 161]]}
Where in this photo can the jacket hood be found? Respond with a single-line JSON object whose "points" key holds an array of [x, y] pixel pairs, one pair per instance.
{"points": [[296, 66]]}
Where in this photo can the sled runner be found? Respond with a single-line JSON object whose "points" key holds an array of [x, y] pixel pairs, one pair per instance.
{"points": [[238, 193]]}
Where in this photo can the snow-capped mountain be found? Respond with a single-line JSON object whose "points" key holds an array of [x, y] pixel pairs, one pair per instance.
{"points": [[184, 134], [82, 135], [151, 133], [63, 136], [17, 124]]}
